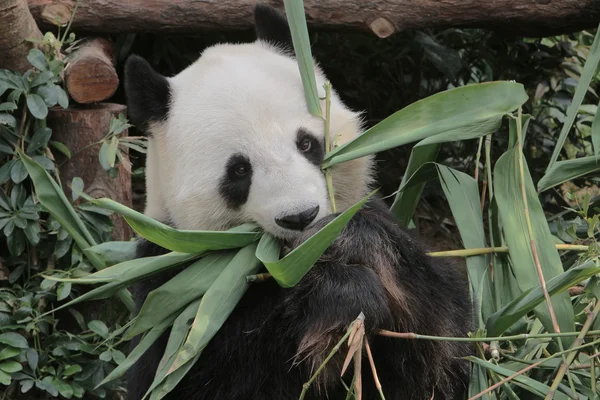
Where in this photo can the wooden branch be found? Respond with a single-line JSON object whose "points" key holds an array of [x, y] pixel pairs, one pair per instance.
{"points": [[78, 128], [90, 75], [16, 25], [383, 17]]}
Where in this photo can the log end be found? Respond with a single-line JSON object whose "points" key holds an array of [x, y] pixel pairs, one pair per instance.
{"points": [[382, 27], [91, 81]]}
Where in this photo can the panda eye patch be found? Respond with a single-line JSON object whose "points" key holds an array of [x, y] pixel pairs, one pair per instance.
{"points": [[310, 147], [235, 183]]}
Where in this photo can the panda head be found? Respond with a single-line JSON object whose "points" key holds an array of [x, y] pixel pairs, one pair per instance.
{"points": [[231, 139]]}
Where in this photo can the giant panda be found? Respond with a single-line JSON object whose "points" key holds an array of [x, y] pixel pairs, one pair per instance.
{"points": [[231, 141]]}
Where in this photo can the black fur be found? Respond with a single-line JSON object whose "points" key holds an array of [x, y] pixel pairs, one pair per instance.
{"points": [[317, 151], [147, 92], [275, 337], [271, 26], [235, 187]]}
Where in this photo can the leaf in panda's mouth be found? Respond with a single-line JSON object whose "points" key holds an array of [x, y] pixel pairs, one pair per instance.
{"points": [[289, 270]]}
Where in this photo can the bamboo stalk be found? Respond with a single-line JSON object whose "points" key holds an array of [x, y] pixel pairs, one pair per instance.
{"points": [[328, 147], [374, 370], [578, 341], [529, 367], [523, 336]]}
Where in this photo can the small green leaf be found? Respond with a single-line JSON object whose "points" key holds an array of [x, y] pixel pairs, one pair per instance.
{"points": [[5, 378], [99, 328], [41, 78], [10, 366], [76, 187], [9, 352], [37, 106], [117, 356], [26, 385], [63, 291], [61, 148], [39, 139], [71, 370], [8, 106], [32, 358], [105, 356], [37, 59], [18, 172], [8, 120], [14, 340]]}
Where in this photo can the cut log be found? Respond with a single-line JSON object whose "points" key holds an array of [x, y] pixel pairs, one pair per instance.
{"points": [[90, 75], [383, 17], [16, 25], [77, 128]]}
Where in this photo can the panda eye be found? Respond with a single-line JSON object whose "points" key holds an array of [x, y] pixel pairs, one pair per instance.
{"points": [[305, 145], [241, 169]]}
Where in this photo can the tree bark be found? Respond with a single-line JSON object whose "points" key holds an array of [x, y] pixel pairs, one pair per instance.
{"points": [[383, 17], [16, 25], [90, 75], [78, 128]]}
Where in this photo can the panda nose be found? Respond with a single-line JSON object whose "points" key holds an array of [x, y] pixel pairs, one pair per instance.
{"points": [[298, 222]]}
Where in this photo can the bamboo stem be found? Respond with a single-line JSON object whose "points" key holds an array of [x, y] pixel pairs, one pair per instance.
{"points": [[523, 336], [374, 370], [529, 367], [328, 146], [578, 341], [335, 349]]}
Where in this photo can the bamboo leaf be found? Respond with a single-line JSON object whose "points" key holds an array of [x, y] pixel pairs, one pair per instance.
{"points": [[289, 270], [457, 114], [218, 302], [589, 70], [113, 253], [531, 385], [512, 312], [181, 327], [596, 131], [462, 194], [179, 291], [296, 18], [407, 198], [183, 241], [508, 192], [563, 171]]}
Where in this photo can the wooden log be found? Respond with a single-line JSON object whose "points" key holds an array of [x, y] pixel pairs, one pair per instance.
{"points": [[78, 127], [16, 25], [90, 75], [383, 17]]}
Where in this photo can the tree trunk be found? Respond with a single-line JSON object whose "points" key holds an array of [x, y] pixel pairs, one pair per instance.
{"points": [[16, 25], [78, 128], [90, 75], [383, 17]]}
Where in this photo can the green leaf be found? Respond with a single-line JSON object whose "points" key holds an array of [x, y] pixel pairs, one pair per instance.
{"points": [[8, 106], [179, 291], [173, 379], [76, 187], [9, 352], [183, 241], [111, 152], [14, 340], [63, 291], [508, 193], [114, 252], [63, 99], [117, 356], [512, 312], [18, 172], [51, 196], [531, 385], [456, 114], [179, 331], [145, 343], [462, 194], [589, 70], [26, 385], [41, 78], [37, 106], [296, 18], [5, 378], [596, 131], [39, 139], [218, 302], [64, 388], [105, 356], [72, 370], [32, 358], [99, 328], [37, 59], [289, 270], [407, 198], [8, 120], [563, 171], [61, 148], [10, 366]]}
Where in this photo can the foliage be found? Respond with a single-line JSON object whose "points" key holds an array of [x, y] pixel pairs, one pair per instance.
{"points": [[63, 354]]}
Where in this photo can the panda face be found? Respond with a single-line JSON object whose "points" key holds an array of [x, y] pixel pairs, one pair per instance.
{"points": [[232, 141]]}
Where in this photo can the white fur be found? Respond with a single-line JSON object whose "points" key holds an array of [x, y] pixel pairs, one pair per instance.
{"points": [[249, 99]]}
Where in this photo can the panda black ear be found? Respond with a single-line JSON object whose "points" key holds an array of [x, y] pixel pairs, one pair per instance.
{"points": [[147, 93], [271, 26]]}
